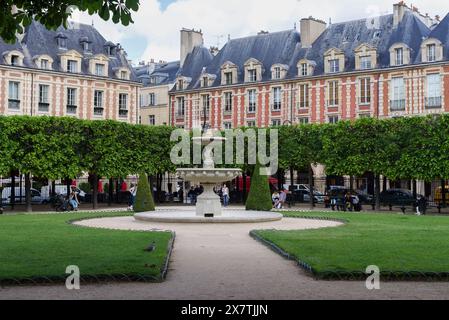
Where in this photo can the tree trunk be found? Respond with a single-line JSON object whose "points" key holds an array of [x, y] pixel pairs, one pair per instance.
{"points": [[377, 192], [111, 191], [292, 177], [95, 191], [443, 193], [53, 188], [68, 184], [28, 192], [13, 190], [351, 183], [311, 187], [415, 187]]}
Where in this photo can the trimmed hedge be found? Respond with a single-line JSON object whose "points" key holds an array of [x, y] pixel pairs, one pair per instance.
{"points": [[259, 198], [144, 199]]}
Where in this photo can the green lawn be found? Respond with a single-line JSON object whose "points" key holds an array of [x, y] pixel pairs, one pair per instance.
{"points": [[394, 243], [44, 245]]}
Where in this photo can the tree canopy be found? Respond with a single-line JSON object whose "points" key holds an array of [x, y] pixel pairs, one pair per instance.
{"points": [[15, 15]]}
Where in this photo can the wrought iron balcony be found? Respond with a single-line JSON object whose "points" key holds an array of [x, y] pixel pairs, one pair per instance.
{"points": [[43, 107], [397, 105], [14, 104], [71, 109], [433, 102]]}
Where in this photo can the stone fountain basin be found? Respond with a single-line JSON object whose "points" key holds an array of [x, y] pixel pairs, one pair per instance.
{"points": [[211, 176]]}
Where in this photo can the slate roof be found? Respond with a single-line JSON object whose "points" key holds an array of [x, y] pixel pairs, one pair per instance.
{"points": [[285, 47], [441, 32], [164, 73], [38, 41]]}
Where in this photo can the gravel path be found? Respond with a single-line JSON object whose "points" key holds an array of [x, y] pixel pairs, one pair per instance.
{"points": [[224, 262]]}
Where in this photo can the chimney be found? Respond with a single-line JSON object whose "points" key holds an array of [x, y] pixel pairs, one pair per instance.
{"points": [[399, 12], [189, 40], [310, 30]]}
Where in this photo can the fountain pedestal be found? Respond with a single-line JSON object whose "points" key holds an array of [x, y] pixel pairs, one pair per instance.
{"points": [[208, 203]]}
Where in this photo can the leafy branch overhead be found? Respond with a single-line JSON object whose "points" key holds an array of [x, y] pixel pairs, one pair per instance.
{"points": [[15, 15]]}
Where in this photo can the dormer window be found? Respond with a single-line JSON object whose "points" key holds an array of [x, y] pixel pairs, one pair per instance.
{"points": [[334, 66], [72, 66], [431, 52], [228, 78], [86, 46], [279, 71], [253, 70], [180, 84], [62, 41], [365, 62], [399, 56], [252, 75], [99, 69], [110, 49], [15, 60], [334, 61], [44, 64], [123, 75], [304, 69]]}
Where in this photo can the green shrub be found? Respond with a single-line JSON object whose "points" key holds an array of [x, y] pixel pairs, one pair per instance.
{"points": [[259, 197], [144, 199]]}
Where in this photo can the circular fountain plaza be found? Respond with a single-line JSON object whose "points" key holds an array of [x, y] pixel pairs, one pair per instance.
{"points": [[208, 208]]}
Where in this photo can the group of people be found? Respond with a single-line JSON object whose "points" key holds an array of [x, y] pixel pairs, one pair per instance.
{"points": [[349, 202], [222, 191], [279, 199]]}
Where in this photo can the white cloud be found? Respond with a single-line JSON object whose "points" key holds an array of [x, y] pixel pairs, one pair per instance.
{"points": [[238, 18]]}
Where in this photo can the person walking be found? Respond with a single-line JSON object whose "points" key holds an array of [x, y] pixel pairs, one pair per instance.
{"points": [[132, 196], [225, 192], [73, 198]]}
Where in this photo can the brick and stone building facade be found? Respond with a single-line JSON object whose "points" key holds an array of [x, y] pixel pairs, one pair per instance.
{"points": [[68, 72], [393, 65]]}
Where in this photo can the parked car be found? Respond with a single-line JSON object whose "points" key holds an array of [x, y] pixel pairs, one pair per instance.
{"points": [[36, 197], [398, 197]]}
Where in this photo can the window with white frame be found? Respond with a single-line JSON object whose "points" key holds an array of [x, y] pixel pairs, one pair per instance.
{"points": [[43, 105], [333, 119], [364, 115], [277, 98], [98, 102], [181, 106], [72, 66], [14, 95], [252, 75], [228, 102], [397, 94], [251, 124], [276, 122], [334, 65], [228, 78], [304, 95], [206, 105], [152, 120], [123, 105], [227, 125], [365, 90], [303, 120], [45, 65], [277, 73], [71, 100], [333, 93], [152, 99], [205, 81], [304, 69], [365, 62], [99, 69], [399, 56], [433, 99], [124, 75], [180, 84], [15, 60], [252, 102], [431, 52]]}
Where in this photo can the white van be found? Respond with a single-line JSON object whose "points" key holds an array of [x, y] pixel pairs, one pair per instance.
{"points": [[35, 195]]}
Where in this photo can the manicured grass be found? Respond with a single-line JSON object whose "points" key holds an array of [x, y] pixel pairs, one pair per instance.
{"points": [[394, 243], [44, 245]]}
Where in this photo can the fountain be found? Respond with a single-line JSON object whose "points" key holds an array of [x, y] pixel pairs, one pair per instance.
{"points": [[208, 208]]}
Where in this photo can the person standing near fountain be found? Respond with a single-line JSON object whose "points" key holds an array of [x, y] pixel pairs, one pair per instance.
{"points": [[225, 192]]}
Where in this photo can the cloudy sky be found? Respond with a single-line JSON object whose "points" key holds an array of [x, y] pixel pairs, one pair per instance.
{"points": [[155, 33]]}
